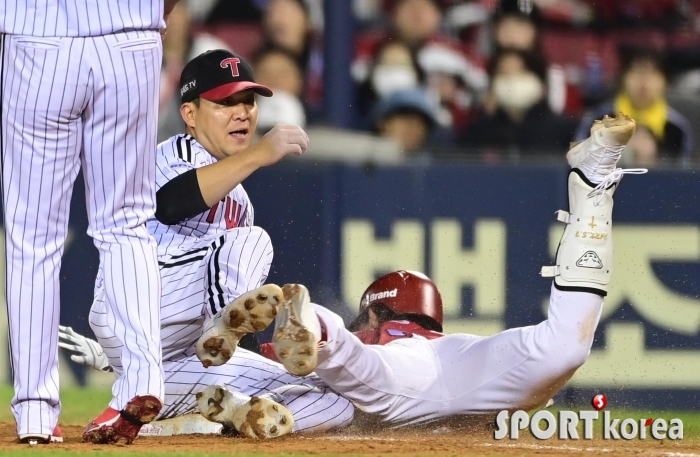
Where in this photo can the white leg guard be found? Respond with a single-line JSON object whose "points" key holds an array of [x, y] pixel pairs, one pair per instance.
{"points": [[585, 254]]}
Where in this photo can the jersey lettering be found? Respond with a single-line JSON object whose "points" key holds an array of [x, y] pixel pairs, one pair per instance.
{"points": [[232, 213]]}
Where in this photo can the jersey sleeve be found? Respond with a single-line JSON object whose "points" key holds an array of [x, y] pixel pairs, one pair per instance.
{"points": [[172, 160]]}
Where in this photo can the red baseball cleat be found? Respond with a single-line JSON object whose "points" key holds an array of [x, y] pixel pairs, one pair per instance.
{"points": [[112, 426], [31, 438]]}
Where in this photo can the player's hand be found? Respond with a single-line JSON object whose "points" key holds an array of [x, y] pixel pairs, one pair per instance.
{"points": [[82, 350], [282, 140]]}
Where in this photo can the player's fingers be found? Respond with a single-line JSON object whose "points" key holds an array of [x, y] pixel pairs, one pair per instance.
{"points": [[68, 339], [71, 349], [78, 359], [292, 128], [70, 346], [299, 137], [295, 149], [303, 141]]}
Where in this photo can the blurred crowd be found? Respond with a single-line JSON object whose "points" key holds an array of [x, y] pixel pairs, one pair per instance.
{"points": [[491, 80]]}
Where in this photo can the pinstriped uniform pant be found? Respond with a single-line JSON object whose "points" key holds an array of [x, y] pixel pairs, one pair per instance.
{"points": [[67, 103], [199, 279]]}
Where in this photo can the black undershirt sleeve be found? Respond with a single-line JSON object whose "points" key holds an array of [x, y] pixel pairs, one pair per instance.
{"points": [[180, 199]]}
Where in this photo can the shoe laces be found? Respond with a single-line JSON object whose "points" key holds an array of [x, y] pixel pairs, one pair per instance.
{"points": [[604, 158], [611, 178]]}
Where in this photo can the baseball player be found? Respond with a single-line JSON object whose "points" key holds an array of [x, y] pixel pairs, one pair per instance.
{"points": [[402, 369], [210, 255], [78, 88], [399, 367]]}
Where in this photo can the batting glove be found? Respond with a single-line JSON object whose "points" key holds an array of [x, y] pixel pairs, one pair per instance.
{"points": [[83, 350]]}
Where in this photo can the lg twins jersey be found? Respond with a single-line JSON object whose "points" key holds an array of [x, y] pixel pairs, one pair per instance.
{"points": [[176, 156]]}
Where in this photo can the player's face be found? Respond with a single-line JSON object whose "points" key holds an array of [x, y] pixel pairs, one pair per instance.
{"points": [[226, 127], [372, 321]]}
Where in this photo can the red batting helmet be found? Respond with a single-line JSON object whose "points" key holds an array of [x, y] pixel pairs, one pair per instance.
{"points": [[405, 292]]}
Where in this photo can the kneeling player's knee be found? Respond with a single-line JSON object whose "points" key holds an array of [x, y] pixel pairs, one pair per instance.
{"points": [[253, 236], [261, 236], [257, 233]]}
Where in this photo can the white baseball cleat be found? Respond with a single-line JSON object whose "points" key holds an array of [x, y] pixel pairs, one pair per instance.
{"points": [[34, 439], [597, 155], [249, 313], [297, 331], [253, 417], [189, 424]]}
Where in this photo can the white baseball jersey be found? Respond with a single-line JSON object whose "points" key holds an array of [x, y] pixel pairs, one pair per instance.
{"points": [[205, 263], [196, 284], [67, 102], [79, 18], [415, 380], [175, 156]]}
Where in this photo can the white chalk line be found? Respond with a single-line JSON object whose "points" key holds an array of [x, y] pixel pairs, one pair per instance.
{"points": [[547, 446], [353, 438], [533, 446], [680, 454], [580, 449]]}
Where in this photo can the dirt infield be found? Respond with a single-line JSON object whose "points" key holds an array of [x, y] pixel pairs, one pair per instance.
{"points": [[414, 443]]}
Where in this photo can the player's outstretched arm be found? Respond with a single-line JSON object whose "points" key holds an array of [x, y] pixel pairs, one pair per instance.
{"points": [[220, 178], [82, 350], [197, 190]]}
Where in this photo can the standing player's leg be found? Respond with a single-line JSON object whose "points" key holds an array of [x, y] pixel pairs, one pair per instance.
{"points": [[43, 84], [119, 166]]}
